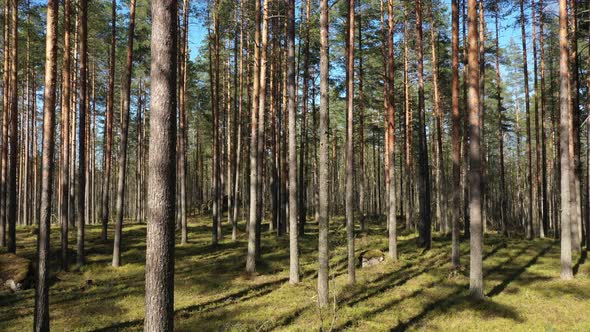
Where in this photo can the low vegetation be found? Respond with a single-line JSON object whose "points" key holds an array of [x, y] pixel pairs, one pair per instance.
{"points": [[419, 292]]}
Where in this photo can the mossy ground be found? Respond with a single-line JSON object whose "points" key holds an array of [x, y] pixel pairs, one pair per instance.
{"points": [[419, 292]]}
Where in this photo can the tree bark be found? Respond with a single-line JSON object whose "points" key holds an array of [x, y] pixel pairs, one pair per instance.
{"points": [[293, 210], [564, 137], [12, 131], [323, 223], [392, 213], [349, 144], [125, 106], [41, 318], [159, 280], [424, 234], [65, 134], [456, 199], [109, 125], [476, 234]]}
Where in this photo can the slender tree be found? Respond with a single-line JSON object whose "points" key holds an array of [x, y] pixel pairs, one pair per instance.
{"points": [[456, 199], [251, 255], [392, 213], [323, 289], [529, 224], [11, 206], [476, 229], [159, 278], [349, 144], [41, 320], [125, 106], [65, 147], [293, 229], [565, 153], [109, 124], [424, 234]]}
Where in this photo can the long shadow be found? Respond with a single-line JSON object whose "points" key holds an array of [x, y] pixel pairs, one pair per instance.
{"points": [[236, 297], [502, 286], [453, 299], [580, 261], [348, 324]]}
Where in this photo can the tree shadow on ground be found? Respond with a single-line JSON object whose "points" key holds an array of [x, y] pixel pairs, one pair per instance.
{"points": [[517, 272]]}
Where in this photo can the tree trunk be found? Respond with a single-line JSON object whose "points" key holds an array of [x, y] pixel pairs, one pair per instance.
{"points": [[476, 234], [424, 235], [323, 223], [529, 181], [251, 256], [13, 132], [349, 144], [565, 153], [41, 318], [109, 125], [159, 281], [65, 134], [391, 214], [125, 106], [293, 238], [80, 258], [5, 114], [456, 199]]}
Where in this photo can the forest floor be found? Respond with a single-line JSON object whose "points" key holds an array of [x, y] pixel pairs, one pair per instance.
{"points": [[419, 292]]}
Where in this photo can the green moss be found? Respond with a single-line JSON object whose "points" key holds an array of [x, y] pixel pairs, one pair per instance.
{"points": [[212, 293], [14, 267]]}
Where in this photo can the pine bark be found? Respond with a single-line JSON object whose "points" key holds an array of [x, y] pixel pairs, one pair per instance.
{"points": [[125, 107], [323, 223], [65, 134], [564, 144], [41, 317], [159, 283], [476, 229], [456, 199], [109, 125], [349, 143]]}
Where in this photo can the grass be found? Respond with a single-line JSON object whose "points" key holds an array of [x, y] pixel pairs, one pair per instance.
{"points": [[419, 292]]}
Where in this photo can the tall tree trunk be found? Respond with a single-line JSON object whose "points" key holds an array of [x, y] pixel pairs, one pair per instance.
{"points": [[361, 119], [456, 199], [12, 131], [183, 123], [529, 181], [440, 174], [215, 78], [349, 144], [80, 258], [261, 127], [564, 137], [323, 223], [5, 114], [545, 220], [424, 236], [476, 234], [304, 137], [251, 256], [408, 125], [537, 180], [159, 280], [503, 216], [125, 106], [392, 213], [239, 126], [109, 125], [41, 318], [293, 240], [65, 134], [576, 215]]}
